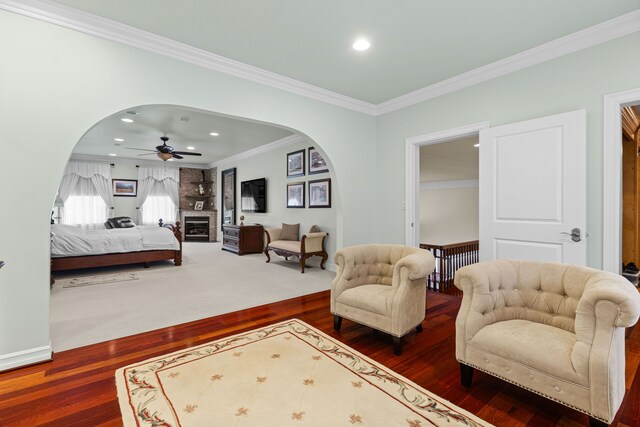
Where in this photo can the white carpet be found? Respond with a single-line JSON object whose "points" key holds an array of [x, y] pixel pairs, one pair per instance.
{"points": [[209, 282]]}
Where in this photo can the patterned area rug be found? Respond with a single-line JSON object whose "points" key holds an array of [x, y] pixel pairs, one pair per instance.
{"points": [[284, 374], [100, 279]]}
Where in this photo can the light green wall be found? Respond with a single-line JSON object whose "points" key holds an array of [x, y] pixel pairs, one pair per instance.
{"points": [[124, 206], [572, 82], [272, 166], [57, 83]]}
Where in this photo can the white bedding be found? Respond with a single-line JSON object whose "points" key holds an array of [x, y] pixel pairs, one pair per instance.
{"points": [[68, 240]]}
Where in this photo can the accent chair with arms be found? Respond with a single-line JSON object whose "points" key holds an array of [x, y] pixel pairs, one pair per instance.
{"points": [[555, 329], [382, 286]]}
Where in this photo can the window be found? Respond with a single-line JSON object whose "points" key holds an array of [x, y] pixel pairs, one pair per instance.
{"points": [[158, 205], [84, 206]]}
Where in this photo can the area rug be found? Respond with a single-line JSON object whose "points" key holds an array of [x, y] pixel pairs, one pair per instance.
{"points": [[99, 279], [284, 374]]}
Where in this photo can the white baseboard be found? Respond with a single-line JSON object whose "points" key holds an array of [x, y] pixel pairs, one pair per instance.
{"points": [[25, 357]]}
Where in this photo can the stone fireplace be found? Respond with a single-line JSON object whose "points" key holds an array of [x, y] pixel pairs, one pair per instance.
{"points": [[193, 222]]}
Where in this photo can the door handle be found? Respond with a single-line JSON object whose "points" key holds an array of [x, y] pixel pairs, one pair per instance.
{"points": [[575, 234]]}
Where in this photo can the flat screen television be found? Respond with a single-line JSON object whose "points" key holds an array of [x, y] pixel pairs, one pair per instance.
{"points": [[253, 195]]}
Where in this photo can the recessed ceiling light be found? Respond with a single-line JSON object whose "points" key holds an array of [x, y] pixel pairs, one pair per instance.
{"points": [[191, 148], [113, 154], [361, 45], [476, 145], [118, 139], [214, 133], [127, 120]]}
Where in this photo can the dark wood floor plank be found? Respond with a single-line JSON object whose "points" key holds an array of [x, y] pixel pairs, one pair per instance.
{"points": [[78, 387]]}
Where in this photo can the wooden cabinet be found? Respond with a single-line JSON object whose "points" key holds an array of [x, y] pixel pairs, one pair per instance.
{"points": [[246, 239]]}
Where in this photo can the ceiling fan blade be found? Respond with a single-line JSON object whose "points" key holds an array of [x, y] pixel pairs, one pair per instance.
{"points": [[175, 156], [187, 153], [140, 149], [164, 148]]}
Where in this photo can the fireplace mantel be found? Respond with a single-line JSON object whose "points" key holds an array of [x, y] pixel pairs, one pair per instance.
{"points": [[213, 219]]}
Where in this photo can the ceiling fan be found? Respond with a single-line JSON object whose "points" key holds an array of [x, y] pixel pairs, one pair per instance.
{"points": [[166, 152]]}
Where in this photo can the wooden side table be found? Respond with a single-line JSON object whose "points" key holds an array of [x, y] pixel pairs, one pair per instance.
{"points": [[243, 239]]}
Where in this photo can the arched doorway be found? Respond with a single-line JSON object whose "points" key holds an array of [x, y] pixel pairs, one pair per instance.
{"points": [[130, 299]]}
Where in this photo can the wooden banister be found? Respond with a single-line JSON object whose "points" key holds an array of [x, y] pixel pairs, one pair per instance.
{"points": [[449, 258]]}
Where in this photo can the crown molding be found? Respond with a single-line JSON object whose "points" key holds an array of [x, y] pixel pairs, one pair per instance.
{"points": [[138, 162], [447, 185], [600, 33], [288, 140], [108, 29]]}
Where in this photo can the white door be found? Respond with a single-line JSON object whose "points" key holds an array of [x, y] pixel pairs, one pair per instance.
{"points": [[533, 190]]}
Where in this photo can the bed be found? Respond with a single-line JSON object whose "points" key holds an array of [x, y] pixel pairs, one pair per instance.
{"points": [[76, 248]]}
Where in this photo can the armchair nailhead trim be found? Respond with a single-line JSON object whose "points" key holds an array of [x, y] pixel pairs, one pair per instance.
{"points": [[534, 391]]}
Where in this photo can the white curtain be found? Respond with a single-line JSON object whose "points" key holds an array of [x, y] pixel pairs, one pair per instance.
{"points": [[86, 192], [158, 205], [157, 194]]}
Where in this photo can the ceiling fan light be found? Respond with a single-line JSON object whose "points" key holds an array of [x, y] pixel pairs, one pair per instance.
{"points": [[165, 156]]}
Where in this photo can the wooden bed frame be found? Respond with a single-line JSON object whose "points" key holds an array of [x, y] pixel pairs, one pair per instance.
{"points": [[90, 261]]}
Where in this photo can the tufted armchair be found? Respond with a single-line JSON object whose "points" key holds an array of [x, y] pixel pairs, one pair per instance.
{"points": [[381, 286], [554, 329]]}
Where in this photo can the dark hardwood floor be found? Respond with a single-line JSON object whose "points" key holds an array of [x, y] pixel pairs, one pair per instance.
{"points": [[78, 388]]}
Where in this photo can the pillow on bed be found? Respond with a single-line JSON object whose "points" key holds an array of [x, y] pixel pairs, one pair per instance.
{"points": [[120, 222]]}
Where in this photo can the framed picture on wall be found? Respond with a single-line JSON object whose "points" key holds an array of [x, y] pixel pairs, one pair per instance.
{"points": [[295, 195], [320, 193], [316, 162], [198, 205], [125, 187], [295, 163]]}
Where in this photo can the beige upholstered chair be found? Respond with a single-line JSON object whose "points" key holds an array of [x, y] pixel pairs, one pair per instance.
{"points": [[381, 286], [311, 244], [554, 329]]}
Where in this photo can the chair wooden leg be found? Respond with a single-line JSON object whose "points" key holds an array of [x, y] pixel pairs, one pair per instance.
{"points": [[266, 252], [324, 259], [596, 423], [419, 328], [397, 345], [337, 322], [302, 264], [466, 375]]}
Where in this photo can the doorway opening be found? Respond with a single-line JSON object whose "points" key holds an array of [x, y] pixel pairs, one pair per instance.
{"points": [[442, 200], [612, 177], [630, 129]]}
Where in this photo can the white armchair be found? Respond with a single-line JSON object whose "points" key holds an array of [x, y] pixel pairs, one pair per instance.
{"points": [[554, 329], [382, 286]]}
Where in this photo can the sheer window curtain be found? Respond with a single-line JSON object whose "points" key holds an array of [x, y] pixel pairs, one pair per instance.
{"points": [[86, 192], [157, 194]]}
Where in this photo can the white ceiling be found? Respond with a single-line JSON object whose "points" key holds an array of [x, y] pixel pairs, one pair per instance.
{"points": [[184, 127], [415, 43]]}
